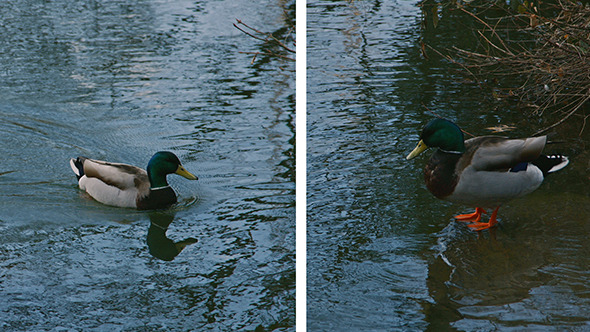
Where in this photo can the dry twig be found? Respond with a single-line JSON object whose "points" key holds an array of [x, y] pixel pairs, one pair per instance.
{"points": [[554, 71], [269, 39]]}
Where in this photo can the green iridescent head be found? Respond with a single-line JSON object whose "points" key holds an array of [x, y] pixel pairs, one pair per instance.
{"points": [[442, 134], [162, 164]]}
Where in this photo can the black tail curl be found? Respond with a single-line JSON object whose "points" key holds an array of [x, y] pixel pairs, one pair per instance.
{"points": [[551, 163], [78, 163]]}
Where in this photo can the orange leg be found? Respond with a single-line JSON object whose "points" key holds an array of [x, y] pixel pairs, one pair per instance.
{"points": [[471, 217], [480, 226]]}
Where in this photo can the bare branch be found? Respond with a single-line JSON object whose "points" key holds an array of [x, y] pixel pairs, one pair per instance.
{"points": [[552, 66]]}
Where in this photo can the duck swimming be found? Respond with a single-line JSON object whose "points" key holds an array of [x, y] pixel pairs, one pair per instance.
{"points": [[485, 171], [130, 186]]}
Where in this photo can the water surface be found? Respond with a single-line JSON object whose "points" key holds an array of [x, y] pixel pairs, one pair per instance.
{"points": [[383, 253], [119, 81]]}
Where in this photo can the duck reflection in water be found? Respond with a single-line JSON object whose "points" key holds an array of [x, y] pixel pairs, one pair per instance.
{"points": [[160, 246]]}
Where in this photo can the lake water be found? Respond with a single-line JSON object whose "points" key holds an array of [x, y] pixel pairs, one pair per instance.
{"points": [[383, 253], [119, 81]]}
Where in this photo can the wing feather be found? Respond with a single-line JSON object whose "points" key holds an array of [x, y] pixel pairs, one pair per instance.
{"points": [[108, 194], [122, 176], [491, 153], [112, 183]]}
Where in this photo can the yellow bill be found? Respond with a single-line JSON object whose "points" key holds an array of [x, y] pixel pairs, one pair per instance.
{"points": [[421, 147], [184, 173]]}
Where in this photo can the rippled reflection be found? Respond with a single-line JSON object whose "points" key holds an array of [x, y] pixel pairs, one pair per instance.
{"points": [[382, 251], [160, 246], [119, 81]]}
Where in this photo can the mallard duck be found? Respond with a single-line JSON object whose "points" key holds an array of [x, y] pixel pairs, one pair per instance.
{"points": [[130, 186], [484, 171]]}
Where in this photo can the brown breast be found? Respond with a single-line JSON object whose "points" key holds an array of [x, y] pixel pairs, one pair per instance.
{"points": [[440, 175], [157, 199]]}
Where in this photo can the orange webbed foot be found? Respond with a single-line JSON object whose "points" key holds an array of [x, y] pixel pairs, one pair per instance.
{"points": [[471, 217], [480, 226]]}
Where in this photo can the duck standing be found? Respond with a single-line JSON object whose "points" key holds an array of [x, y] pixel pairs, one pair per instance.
{"points": [[485, 171]]}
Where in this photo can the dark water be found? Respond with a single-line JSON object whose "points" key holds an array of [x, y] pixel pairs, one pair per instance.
{"points": [[383, 253], [118, 81]]}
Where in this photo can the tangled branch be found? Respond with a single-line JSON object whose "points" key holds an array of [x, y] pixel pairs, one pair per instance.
{"points": [[554, 69], [287, 44]]}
